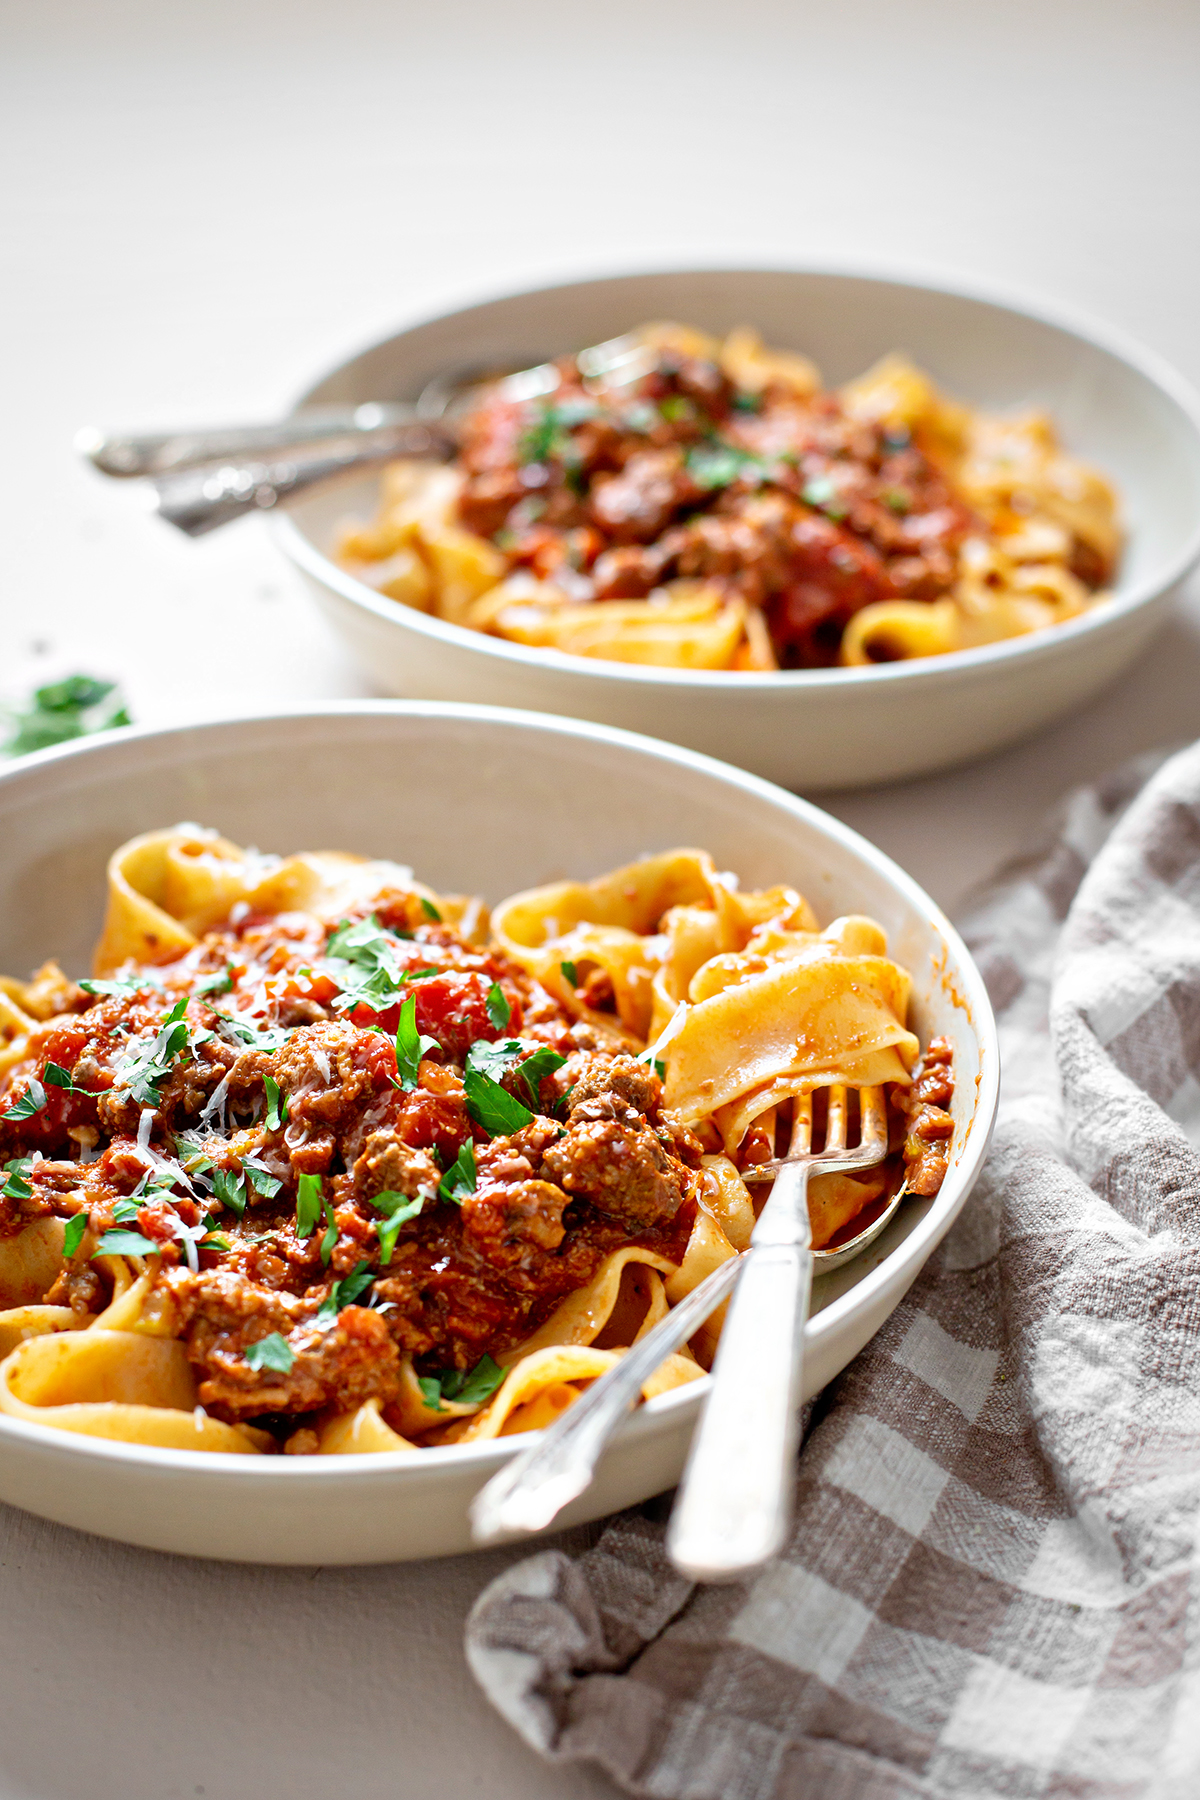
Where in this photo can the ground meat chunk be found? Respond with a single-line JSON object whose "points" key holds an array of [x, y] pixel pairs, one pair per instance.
{"points": [[619, 1164], [339, 1367], [636, 506], [633, 1083], [389, 1165], [930, 1125]]}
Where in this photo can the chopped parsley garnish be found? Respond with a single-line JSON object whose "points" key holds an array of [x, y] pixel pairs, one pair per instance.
{"points": [[821, 492], [64, 710], [492, 1106], [362, 960], [271, 1352], [308, 1205], [136, 984], [677, 409], [535, 1068], [747, 403], [56, 1076], [430, 910], [411, 1045], [897, 500], [31, 1101], [219, 983], [715, 465], [461, 1177], [546, 437], [277, 1106], [73, 1233], [145, 1075], [126, 1243], [330, 1236], [16, 1187], [267, 1037], [345, 1292], [261, 1179], [473, 1388], [125, 1212], [399, 1209], [660, 1068], [498, 1009], [571, 973], [228, 1188]]}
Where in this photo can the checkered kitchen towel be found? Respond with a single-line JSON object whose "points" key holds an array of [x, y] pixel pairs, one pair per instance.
{"points": [[990, 1589]]}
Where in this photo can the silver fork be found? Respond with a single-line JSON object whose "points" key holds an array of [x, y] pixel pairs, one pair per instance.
{"points": [[734, 1507]]}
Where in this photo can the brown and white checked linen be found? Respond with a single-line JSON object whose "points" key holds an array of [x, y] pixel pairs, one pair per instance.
{"points": [[990, 1587]]}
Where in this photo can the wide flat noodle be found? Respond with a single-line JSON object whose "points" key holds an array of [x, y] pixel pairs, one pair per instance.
{"points": [[122, 1375], [543, 1384], [360, 1433], [829, 1020], [167, 888], [583, 1315]]}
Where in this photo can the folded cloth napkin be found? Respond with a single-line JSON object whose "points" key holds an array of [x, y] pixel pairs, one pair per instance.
{"points": [[989, 1590]]}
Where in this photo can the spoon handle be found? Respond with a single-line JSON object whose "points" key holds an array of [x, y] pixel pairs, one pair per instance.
{"points": [[201, 499], [164, 452]]}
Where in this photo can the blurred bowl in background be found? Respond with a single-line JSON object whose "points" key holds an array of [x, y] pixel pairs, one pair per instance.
{"points": [[1114, 404]]}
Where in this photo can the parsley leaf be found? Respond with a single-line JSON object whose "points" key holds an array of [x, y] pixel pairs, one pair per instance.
{"points": [[126, 1243], [125, 1212], [219, 983], [73, 1233], [535, 1068], [261, 1179], [821, 491], [229, 1190], [277, 1108], [492, 1106], [145, 1074], [345, 1292], [271, 1352], [399, 1209], [31, 1101], [362, 960], [571, 973], [715, 465], [461, 1177], [64, 710], [490, 1061], [430, 910], [56, 1076], [471, 1389], [16, 1187], [137, 984], [498, 1009], [330, 1237], [411, 1045], [308, 1205]]}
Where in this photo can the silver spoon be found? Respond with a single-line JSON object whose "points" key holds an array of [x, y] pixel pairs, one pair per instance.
{"points": [[207, 478]]}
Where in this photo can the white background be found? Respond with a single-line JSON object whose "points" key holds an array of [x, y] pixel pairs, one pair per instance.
{"points": [[203, 205]]}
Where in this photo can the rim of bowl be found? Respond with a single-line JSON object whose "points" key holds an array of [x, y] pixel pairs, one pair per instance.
{"points": [[910, 1254], [1155, 369]]}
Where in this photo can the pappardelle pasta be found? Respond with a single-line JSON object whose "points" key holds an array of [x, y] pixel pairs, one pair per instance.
{"points": [[676, 500], [321, 1161]]}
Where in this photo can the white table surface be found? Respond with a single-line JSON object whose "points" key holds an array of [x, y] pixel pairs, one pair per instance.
{"points": [[204, 205]]}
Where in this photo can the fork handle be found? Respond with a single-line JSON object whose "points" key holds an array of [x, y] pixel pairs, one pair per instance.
{"points": [[197, 500], [735, 1499]]}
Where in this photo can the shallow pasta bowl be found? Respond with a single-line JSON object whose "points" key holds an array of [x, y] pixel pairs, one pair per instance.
{"points": [[1114, 405], [477, 800]]}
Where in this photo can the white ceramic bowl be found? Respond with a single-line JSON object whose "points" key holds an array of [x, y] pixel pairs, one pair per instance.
{"points": [[810, 729], [481, 800]]}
